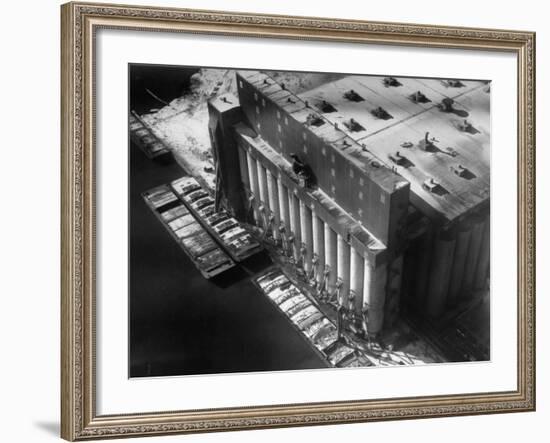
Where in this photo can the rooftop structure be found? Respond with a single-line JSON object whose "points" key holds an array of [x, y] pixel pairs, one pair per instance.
{"points": [[428, 130]]}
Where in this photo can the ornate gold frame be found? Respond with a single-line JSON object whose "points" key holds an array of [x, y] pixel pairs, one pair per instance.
{"points": [[79, 420]]}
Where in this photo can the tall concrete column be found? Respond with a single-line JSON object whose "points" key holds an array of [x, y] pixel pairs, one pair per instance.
{"points": [[393, 291], [283, 203], [294, 207], [367, 276], [482, 270], [273, 199], [410, 259], [459, 263], [374, 284], [356, 279], [318, 244], [331, 257], [307, 235], [472, 258], [262, 181], [243, 163], [343, 268], [423, 269], [254, 187], [440, 273]]}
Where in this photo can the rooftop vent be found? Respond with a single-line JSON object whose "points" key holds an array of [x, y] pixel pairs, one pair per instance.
{"points": [[428, 144], [466, 126], [391, 81], [446, 104], [419, 97], [326, 107], [353, 96], [462, 172], [454, 84], [381, 113], [434, 187], [353, 125], [397, 158], [314, 120], [430, 184], [266, 82], [289, 100], [459, 170]]}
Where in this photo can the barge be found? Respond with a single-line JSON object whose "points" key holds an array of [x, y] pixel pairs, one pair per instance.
{"points": [[306, 317], [209, 258], [224, 228], [142, 135]]}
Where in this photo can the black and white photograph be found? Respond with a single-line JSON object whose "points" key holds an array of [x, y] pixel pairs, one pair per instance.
{"points": [[302, 220], [275, 221]]}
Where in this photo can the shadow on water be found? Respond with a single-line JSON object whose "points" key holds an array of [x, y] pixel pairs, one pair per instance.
{"points": [[257, 262], [229, 278], [244, 270]]}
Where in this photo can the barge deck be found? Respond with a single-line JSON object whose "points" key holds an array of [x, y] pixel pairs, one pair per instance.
{"points": [[209, 258], [142, 135], [226, 230]]}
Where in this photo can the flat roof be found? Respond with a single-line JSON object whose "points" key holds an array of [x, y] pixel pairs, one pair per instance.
{"points": [[224, 102], [405, 126]]}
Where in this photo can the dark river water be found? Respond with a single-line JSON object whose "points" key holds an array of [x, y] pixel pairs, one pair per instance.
{"points": [[181, 323]]}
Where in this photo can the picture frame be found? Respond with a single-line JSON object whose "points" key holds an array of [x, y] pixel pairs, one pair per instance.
{"points": [[79, 179]]}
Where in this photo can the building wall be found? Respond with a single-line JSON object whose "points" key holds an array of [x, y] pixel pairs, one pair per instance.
{"points": [[447, 266], [381, 211], [224, 149]]}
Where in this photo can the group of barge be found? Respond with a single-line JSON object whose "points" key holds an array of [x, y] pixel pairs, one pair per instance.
{"points": [[142, 135], [310, 321], [225, 229], [211, 238], [209, 258]]}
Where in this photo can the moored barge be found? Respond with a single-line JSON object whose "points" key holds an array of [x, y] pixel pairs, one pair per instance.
{"points": [[306, 317], [209, 258], [225, 229], [142, 135]]}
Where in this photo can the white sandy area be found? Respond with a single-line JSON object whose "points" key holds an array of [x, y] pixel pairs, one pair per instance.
{"points": [[183, 124]]}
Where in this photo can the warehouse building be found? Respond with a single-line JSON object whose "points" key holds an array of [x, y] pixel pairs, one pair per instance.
{"points": [[378, 187]]}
